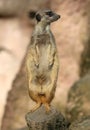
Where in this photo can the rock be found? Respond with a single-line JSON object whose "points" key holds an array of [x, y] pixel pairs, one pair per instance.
{"points": [[40, 120], [18, 104], [85, 58], [16, 7], [14, 42], [83, 124], [72, 35], [78, 104]]}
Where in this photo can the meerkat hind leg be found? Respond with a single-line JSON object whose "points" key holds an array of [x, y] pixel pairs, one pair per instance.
{"points": [[46, 104], [48, 109], [36, 107]]}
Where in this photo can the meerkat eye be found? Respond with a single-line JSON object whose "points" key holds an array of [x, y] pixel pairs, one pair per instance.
{"points": [[38, 17], [49, 13]]}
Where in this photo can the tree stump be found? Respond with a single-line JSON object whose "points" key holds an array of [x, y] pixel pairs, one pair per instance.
{"points": [[40, 120]]}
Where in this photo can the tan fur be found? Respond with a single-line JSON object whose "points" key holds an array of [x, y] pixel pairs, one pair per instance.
{"points": [[42, 62]]}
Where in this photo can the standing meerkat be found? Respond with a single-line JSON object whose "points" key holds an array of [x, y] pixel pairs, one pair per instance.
{"points": [[42, 61]]}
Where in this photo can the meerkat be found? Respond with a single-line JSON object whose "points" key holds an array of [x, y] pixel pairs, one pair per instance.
{"points": [[42, 61]]}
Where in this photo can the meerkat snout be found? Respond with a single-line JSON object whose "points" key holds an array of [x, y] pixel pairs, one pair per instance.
{"points": [[47, 16]]}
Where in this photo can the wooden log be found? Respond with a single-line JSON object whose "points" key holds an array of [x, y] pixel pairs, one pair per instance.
{"points": [[40, 120]]}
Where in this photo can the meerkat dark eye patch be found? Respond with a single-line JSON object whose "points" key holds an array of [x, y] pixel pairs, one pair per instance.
{"points": [[49, 13], [38, 17]]}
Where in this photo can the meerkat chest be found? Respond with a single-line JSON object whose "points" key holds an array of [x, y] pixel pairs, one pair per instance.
{"points": [[44, 47], [43, 55]]}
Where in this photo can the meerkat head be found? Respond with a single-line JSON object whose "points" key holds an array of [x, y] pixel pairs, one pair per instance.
{"points": [[46, 16]]}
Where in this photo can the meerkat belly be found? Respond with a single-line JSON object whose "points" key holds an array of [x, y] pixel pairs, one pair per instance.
{"points": [[43, 58], [44, 61], [42, 75]]}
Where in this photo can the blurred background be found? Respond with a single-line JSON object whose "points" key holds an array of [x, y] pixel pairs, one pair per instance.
{"points": [[72, 34]]}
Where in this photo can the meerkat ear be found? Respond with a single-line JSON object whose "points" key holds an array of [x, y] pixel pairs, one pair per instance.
{"points": [[32, 14], [38, 17]]}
